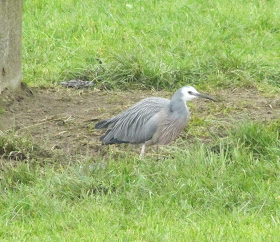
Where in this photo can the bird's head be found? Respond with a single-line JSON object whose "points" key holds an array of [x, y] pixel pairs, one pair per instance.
{"points": [[189, 93]]}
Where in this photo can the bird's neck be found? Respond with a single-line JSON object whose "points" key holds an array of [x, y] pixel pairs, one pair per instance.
{"points": [[178, 105]]}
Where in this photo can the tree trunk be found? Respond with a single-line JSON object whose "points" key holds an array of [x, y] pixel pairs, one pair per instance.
{"points": [[10, 43]]}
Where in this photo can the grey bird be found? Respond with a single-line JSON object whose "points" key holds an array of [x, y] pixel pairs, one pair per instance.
{"points": [[151, 121]]}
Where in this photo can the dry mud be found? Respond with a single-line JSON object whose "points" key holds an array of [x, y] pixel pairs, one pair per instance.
{"points": [[62, 120]]}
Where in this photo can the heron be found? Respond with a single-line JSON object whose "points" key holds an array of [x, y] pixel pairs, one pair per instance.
{"points": [[151, 121]]}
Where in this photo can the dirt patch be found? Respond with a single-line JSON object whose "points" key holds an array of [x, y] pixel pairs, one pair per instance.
{"points": [[62, 120]]}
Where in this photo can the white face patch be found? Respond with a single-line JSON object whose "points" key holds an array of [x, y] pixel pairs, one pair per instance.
{"points": [[186, 91]]}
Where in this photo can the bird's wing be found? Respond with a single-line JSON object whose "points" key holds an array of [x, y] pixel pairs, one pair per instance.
{"points": [[136, 124]]}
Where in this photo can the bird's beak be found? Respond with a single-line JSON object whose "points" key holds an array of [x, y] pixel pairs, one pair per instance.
{"points": [[204, 96]]}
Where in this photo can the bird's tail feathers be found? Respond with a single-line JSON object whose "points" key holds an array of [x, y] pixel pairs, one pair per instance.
{"points": [[102, 124], [107, 139], [104, 136]]}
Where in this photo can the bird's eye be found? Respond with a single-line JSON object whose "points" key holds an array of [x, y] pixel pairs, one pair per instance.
{"points": [[190, 92]]}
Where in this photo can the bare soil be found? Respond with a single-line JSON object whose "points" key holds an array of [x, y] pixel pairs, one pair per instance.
{"points": [[62, 120]]}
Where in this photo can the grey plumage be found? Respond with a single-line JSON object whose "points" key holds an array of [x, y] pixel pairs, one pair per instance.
{"points": [[134, 125], [151, 121]]}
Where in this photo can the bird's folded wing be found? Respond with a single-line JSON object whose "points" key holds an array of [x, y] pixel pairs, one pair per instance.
{"points": [[138, 123]]}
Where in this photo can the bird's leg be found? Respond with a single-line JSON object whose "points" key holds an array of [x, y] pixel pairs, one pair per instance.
{"points": [[128, 148], [157, 154], [142, 151]]}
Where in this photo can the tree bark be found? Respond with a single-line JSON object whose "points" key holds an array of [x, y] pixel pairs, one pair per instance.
{"points": [[10, 43]]}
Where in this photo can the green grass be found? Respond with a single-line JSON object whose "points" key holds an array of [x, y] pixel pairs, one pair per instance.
{"points": [[160, 44], [227, 190], [224, 191]]}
